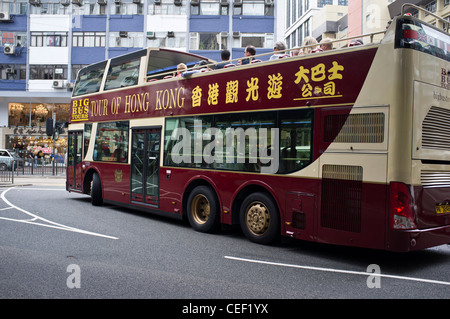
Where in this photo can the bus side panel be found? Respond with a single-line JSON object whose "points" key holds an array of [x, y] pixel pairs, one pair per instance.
{"points": [[115, 179], [352, 214]]}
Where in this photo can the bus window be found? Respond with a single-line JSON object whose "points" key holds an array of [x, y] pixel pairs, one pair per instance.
{"points": [[111, 142], [122, 73], [240, 142], [295, 140], [89, 79]]}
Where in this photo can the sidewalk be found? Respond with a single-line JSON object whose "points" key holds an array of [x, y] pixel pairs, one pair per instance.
{"points": [[35, 180]]}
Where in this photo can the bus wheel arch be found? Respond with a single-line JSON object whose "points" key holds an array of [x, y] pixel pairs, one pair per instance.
{"points": [[201, 206], [258, 214], [92, 186]]}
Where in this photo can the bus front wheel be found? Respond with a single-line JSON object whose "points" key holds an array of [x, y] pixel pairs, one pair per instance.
{"points": [[96, 190], [203, 209], [259, 219]]}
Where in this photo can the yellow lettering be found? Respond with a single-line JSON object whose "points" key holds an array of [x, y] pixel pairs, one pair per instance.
{"points": [[127, 104], [158, 100], [180, 105]]}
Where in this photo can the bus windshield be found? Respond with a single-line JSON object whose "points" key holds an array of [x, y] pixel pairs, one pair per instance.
{"points": [[89, 79]]}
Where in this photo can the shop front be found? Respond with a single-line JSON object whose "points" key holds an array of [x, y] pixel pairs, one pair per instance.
{"points": [[26, 131]]}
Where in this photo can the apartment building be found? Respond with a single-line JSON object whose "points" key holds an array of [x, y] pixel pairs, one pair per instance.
{"points": [[45, 42], [317, 18]]}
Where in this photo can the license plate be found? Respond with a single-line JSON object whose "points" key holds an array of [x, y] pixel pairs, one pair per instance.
{"points": [[442, 209]]}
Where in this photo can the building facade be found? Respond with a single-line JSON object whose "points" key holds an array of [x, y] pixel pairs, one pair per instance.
{"points": [[318, 18], [45, 42]]}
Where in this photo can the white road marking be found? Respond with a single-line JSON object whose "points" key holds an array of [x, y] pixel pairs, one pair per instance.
{"points": [[337, 270], [50, 224]]}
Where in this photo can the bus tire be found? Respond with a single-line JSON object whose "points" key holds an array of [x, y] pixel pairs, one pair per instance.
{"points": [[203, 209], [259, 219], [96, 190]]}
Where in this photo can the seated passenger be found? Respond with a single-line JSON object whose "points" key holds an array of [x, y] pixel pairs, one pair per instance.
{"points": [[248, 52], [279, 46], [225, 56], [326, 44], [309, 41], [181, 68]]}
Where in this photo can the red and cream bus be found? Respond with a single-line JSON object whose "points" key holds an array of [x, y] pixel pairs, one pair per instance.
{"points": [[349, 146]]}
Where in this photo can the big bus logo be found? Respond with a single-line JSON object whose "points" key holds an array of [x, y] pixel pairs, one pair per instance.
{"points": [[80, 110], [445, 78]]}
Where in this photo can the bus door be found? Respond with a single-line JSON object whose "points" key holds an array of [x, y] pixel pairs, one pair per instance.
{"points": [[74, 157], [145, 157]]}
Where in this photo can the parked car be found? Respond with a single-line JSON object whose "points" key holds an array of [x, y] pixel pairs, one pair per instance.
{"points": [[7, 158]]}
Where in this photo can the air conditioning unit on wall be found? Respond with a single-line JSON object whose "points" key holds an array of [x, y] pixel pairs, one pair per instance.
{"points": [[5, 16], [9, 49], [58, 84]]}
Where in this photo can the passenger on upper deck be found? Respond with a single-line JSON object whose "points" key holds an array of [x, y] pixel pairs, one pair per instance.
{"points": [[181, 68], [309, 41], [326, 44], [296, 51], [279, 46], [248, 52], [225, 55], [355, 42]]}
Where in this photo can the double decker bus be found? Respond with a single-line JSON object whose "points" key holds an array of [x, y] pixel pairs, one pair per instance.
{"points": [[348, 146]]}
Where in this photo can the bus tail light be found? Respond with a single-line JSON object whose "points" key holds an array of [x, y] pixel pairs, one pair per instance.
{"points": [[402, 208]]}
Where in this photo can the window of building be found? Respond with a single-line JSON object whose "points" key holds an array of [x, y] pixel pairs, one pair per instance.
{"points": [[258, 40], [209, 7], [166, 7], [14, 6], [322, 3], [48, 39], [255, 8], [126, 39], [126, 8], [48, 72], [431, 6], [15, 37], [89, 39], [50, 7], [166, 39], [13, 71]]}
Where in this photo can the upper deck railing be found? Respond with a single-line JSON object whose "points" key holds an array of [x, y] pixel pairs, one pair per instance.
{"points": [[283, 53], [409, 5]]}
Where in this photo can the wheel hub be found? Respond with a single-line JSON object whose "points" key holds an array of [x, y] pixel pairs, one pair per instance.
{"points": [[258, 219], [201, 209]]}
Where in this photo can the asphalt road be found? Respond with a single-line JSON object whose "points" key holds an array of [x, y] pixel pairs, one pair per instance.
{"points": [[55, 244]]}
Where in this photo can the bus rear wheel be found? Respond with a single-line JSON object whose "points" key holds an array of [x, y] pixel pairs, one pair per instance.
{"points": [[203, 209], [259, 219], [96, 190]]}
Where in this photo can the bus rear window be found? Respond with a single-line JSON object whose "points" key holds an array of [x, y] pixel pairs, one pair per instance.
{"points": [[89, 79], [421, 37]]}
